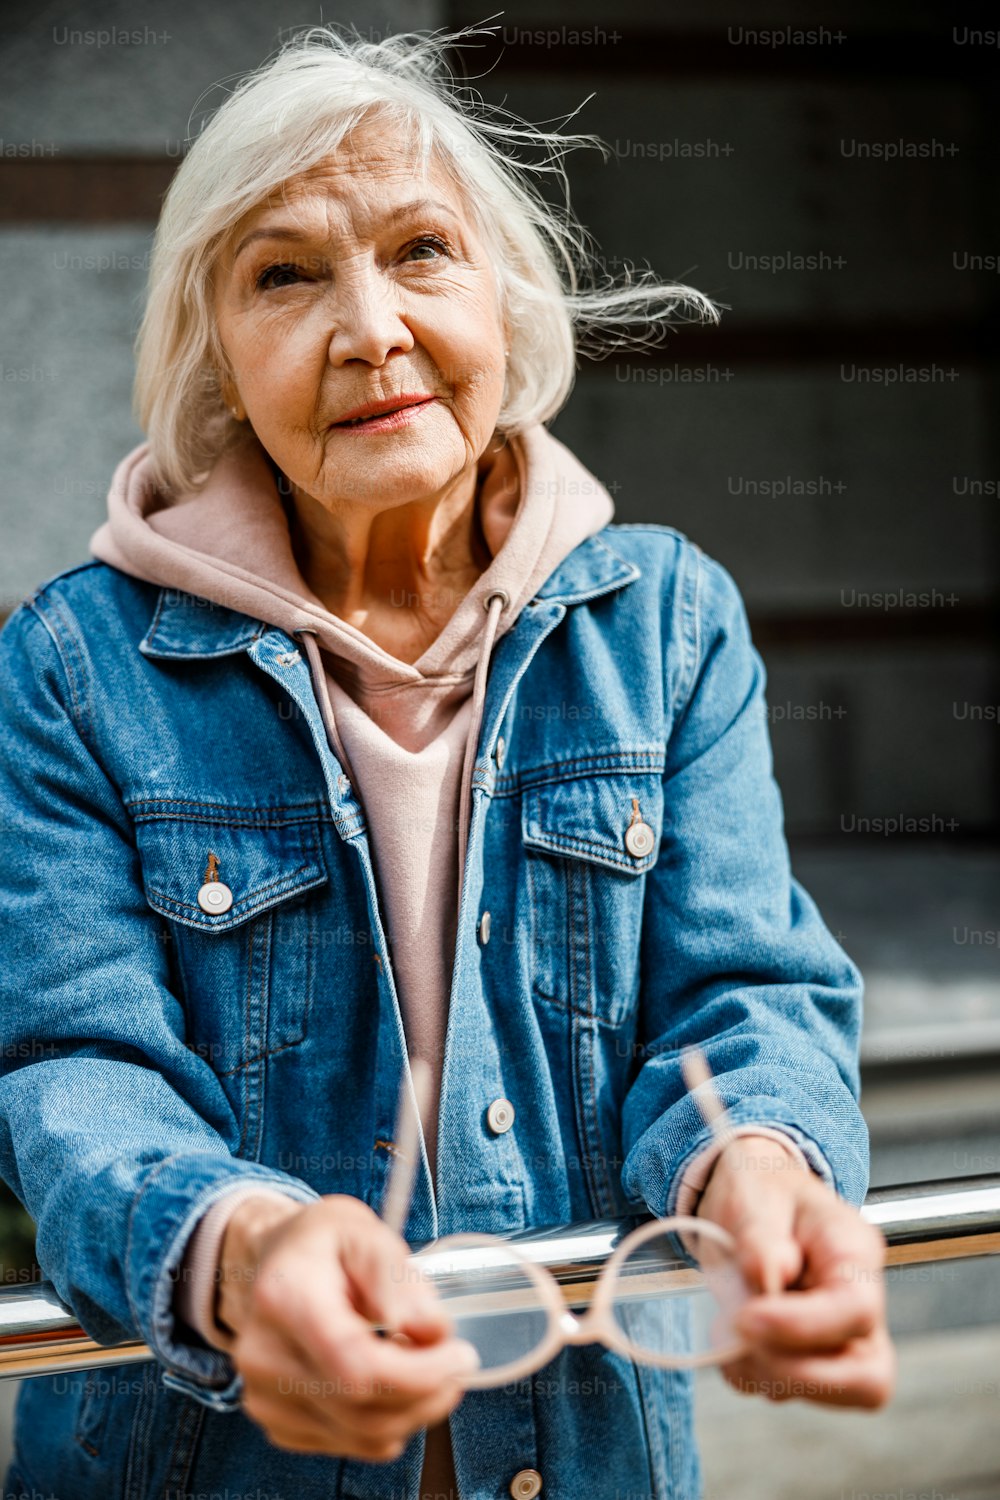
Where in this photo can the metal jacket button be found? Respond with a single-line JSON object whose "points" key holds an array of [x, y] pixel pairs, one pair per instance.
{"points": [[526, 1484], [639, 839], [501, 751], [215, 896], [500, 1117], [484, 928]]}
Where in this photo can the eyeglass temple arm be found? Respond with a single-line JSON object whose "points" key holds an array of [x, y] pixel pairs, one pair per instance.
{"points": [[399, 1189], [701, 1087]]}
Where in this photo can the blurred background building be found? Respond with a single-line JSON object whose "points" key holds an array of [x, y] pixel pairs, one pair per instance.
{"points": [[829, 173]]}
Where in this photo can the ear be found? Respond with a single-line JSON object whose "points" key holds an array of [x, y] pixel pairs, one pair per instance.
{"points": [[230, 395]]}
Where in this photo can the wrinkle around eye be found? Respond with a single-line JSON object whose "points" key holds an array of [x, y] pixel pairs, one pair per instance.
{"points": [[259, 279], [261, 282]]}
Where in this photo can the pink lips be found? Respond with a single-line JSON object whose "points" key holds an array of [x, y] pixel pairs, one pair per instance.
{"points": [[382, 416]]}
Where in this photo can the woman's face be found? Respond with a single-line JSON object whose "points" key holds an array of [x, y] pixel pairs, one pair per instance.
{"points": [[365, 284]]}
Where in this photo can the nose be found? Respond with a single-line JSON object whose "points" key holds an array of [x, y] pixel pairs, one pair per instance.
{"points": [[367, 323]]}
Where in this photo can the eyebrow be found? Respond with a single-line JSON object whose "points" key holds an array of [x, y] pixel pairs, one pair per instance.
{"points": [[290, 232]]}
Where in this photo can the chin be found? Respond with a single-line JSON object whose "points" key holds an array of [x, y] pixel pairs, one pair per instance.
{"points": [[393, 482]]}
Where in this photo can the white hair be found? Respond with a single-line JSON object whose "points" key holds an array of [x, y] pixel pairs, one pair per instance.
{"points": [[291, 114]]}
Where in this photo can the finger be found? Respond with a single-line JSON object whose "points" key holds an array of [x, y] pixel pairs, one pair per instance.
{"points": [[370, 1266], [769, 1258], [317, 1318], [290, 1430], [273, 1366], [842, 1291], [863, 1375], [321, 1435], [303, 1287], [327, 1401], [310, 1413], [335, 1353], [380, 1422], [403, 1422], [381, 1395], [837, 1242], [427, 1318], [385, 1280], [762, 1223], [770, 1382], [370, 1366], [813, 1319]]}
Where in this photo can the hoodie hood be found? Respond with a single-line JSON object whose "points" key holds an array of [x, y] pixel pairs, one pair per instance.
{"points": [[230, 542]]}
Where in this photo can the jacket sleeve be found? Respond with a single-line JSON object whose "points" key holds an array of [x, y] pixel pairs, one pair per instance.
{"points": [[698, 1168], [735, 957], [197, 1277], [114, 1134]]}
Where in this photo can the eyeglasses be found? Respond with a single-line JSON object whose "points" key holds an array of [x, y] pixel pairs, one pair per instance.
{"points": [[649, 1304]]}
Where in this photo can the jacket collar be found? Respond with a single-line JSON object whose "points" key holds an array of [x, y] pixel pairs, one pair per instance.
{"points": [[186, 625]]}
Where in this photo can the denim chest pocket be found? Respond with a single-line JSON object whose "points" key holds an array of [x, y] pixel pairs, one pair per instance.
{"points": [[239, 903], [588, 842]]}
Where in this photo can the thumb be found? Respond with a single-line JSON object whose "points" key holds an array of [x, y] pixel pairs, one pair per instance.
{"points": [[386, 1285], [770, 1257]]}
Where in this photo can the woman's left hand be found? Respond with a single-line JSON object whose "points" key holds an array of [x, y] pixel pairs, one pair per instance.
{"points": [[816, 1317]]}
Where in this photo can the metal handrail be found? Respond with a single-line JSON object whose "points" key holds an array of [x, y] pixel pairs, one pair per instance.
{"points": [[922, 1221]]}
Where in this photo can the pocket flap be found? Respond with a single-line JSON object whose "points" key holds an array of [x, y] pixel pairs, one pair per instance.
{"points": [[588, 818], [260, 864]]}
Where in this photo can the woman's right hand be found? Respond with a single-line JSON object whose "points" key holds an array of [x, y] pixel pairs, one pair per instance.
{"points": [[299, 1288]]}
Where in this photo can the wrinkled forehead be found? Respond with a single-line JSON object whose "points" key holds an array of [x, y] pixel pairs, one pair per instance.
{"points": [[374, 175], [378, 162]]}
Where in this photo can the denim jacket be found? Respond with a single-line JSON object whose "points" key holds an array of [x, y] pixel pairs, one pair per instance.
{"points": [[154, 1053]]}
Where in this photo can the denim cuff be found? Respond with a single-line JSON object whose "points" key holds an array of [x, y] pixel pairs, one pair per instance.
{"points": [[810, 1150], [694, 1178], [656, 1163], [663, 1189], [165, 1214]]}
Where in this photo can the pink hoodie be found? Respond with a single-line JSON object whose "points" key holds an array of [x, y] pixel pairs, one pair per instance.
{"points": [[409, 730]]}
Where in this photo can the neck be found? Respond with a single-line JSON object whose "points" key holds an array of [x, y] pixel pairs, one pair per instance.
{"points": [[397, 574]]}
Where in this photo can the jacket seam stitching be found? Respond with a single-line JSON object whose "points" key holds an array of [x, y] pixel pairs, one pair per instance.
{"points": [[309, 812], [557, 842], [73, 703], [610, 764], [154, 623], [260, 891], [690, 628]]}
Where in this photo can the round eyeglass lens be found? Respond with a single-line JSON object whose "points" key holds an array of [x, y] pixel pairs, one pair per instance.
{"points": [[494, 1304], [665, 1307]]}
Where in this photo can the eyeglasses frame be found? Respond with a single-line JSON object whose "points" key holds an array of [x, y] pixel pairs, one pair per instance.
{"points": [[597, 1324]]}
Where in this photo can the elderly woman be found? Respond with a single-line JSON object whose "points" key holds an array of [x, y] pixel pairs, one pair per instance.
{"points": [[365, 736]]}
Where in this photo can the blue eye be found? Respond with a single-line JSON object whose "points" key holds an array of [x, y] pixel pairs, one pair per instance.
{"points": [[283, 268], [429, 239]]}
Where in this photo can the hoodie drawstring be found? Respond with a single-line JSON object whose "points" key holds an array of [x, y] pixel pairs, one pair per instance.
{"points": [[495, 603], [322, 691]]}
